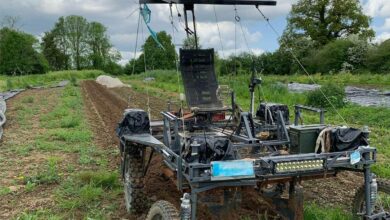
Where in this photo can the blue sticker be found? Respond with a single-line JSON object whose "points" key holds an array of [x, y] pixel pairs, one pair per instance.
{"points": [[355, 157], [232, 169]]}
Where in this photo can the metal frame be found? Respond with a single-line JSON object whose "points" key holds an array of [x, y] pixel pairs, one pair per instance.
{"points": [[212, 2], [197, 177]]}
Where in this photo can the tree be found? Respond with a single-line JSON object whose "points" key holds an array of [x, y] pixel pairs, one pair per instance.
{"points": [[57, 58], [76, 28], [17, 54], [326, 20], [10, 22], [75, 43], [155, 56], [379, 58], [99, 44], [190, 43], [330, 58]]}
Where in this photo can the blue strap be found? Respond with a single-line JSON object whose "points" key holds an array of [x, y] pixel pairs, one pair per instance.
{"points": [[147, 15]]}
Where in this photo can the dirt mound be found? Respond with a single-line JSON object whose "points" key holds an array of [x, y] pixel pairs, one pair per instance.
{"points": [[110, 82]]}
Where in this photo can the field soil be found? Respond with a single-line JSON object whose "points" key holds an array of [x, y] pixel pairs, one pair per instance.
{"points": [[19, 160]]}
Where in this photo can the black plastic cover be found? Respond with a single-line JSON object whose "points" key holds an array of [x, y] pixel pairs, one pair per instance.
{"points": [[344, 139], [135, 121]]}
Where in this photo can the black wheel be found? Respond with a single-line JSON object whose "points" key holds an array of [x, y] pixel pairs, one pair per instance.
{"points": [[382, 202], [135, 198], [163, 210]]}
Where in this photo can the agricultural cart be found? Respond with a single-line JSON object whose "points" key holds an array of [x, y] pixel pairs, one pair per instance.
{"points": [[214, 146]]}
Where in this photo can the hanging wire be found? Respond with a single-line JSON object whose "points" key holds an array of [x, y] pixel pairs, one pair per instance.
{"points": [[136, 41], [179, 17], [177, 69], [235, 42], [252, 54], [299, 62], [221, 43], [146, 72]]}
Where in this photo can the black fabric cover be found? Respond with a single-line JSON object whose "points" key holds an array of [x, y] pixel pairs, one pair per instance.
{"points": [[199, 78], [264, 115], [135, 121], [344, 139]]}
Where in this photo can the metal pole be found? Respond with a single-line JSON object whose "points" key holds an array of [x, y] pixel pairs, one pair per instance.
{"points": [[252, 108], [367, 184], [186, 21], [194, 201], [195, 33]]}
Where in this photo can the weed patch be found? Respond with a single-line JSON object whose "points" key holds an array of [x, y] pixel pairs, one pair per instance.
{"points": [[48, 176]]}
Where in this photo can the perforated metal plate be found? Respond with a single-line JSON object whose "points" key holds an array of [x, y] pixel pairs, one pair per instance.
{"points": [[200, 81]]}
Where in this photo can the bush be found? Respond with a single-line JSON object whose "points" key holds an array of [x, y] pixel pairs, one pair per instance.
{"points": [[379, 58], [330, 58], [334, 94]]}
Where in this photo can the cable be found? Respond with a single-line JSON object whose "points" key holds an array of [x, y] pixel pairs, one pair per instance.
{"points": [[147, 87], [177, 68], [299, 63], [252, 54], [136, 41]]}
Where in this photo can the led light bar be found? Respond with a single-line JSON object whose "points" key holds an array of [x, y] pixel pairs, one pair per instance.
{"points": [[296, 166]]}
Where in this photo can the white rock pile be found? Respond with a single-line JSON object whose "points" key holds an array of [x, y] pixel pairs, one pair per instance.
{"points": [[110, 82]]}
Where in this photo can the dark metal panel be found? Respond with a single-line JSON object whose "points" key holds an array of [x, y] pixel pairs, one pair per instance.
{"points": [[213, 2], [199, 78]]}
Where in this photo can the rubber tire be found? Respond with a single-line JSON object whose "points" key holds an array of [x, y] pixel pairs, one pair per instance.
{"points": [[163, 210], [383, 186], [134, 182]]}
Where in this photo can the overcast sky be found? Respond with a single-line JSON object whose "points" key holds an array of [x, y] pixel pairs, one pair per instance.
{"points": [[39, 16]]}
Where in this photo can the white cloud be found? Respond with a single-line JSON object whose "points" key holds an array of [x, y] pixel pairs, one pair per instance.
{"points": [[382, 37], [376, 8], [386, 25]]}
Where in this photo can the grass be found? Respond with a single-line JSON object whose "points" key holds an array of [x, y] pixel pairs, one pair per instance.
{"points": [[49, 79], [84, 192], [314, 212], [49, 175]]}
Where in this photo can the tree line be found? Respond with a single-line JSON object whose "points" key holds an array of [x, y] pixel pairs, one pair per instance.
{"points": [[73, 43], [325, 36]]}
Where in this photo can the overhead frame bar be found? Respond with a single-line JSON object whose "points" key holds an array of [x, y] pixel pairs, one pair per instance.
{"points": [[212, 2]]}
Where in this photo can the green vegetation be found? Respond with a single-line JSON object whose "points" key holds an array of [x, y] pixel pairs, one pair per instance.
{"points": [[48, 176], [75, 43], [18, 56], [334, 97], [314, 212], [156, 57], [49, 79]]}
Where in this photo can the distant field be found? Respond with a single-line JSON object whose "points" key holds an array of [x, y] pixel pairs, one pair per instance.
{"points": [[51, 78]]}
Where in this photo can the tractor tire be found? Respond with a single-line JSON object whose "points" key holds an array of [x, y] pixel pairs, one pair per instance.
{"points": [[358, 208], [134, 182], [163, 210]]}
